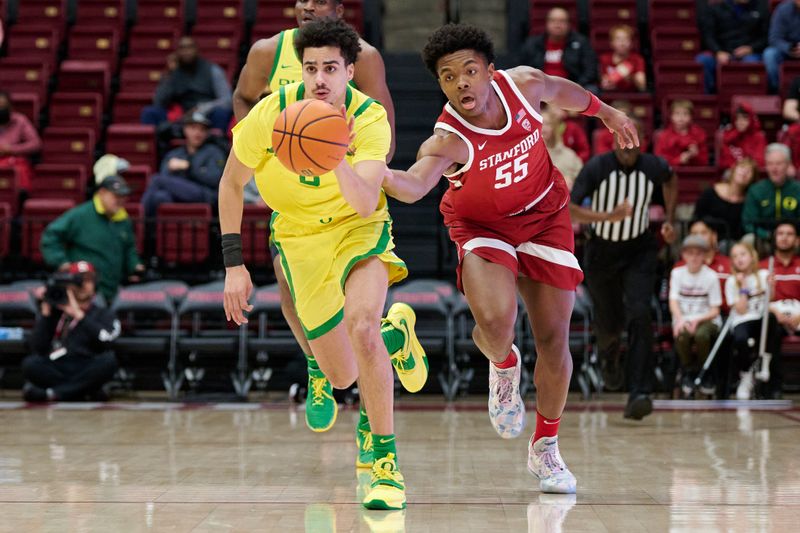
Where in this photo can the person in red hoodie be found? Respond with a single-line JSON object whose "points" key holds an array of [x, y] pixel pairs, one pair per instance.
{"points": [[682, 143], [742, 139], [622, 69]]}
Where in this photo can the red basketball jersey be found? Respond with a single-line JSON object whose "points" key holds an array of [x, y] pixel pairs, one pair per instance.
{"points": [[508, 171]]}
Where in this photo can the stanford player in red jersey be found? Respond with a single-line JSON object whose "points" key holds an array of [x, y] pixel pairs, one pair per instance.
{"points": [[506, 209]]}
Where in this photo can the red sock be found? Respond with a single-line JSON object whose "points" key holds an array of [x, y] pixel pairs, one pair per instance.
{"points": [[545, 427], [510, 361]]}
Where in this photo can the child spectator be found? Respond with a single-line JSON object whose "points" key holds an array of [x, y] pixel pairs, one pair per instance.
{"points": [[724, 201], [745, 293], [622, 69], [565, 159], [18, 141], [682, 142], [742, 139], [694, 301]]}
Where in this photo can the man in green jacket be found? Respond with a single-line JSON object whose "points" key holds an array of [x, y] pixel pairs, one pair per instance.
{"points": [[773, 199], [99, 232]]}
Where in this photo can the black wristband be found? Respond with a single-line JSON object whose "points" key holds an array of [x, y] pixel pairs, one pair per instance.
{"points": [[232, 250]]}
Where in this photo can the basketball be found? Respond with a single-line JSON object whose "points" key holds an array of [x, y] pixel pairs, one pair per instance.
{"points": [[310, 137]]}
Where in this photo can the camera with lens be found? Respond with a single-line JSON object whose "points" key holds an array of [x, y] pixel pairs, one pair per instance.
{"points": [[56, 287]]}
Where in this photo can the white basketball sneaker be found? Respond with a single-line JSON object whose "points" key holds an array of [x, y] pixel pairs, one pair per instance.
{"points": [[745, 389], [546, 464], [506, 408]]}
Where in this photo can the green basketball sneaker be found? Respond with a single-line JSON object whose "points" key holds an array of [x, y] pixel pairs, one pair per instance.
{"points": [[409, 360], [321, 408], [388, 490]]}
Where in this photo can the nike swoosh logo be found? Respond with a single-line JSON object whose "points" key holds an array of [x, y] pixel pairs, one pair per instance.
{"points": [[286, 66], [385, 441], [480, 146]]}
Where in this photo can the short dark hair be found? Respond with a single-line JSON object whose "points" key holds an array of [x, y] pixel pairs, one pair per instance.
{"points": [[452, 38], [786, 222], [329, 32], [708, 222]]}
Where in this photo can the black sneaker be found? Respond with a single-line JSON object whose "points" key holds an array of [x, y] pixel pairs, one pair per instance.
{"points": [[638, 407], [32, 393]]}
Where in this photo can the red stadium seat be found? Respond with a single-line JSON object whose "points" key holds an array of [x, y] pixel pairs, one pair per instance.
{"points": [[138, 178], [225, 16], [60, 182], [275, 15], [77, 110], [5, 229], [222, 49], [25, 76], [95, 44], [28, 104], [85, 77], [34, 42], [182, 233], [36, 215], [161, 14], [142, 74], [152, 42], [50, 13], [134, 209], [692, 181], [675, 43], [736, 79], [128, 106], [255, 235], [134, 142], [675, 13], [789, 71], [677, 77], [105, 14], [538, 13], [68, 145], [9, 188], [642, 104], [706, 111]]}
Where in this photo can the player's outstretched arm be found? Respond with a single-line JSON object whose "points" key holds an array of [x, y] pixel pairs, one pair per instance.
{"points": [[238, 286], [539, 87], [435, 156], [254, 78], [361, 184]]}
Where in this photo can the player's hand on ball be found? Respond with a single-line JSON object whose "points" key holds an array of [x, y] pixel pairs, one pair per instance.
{"points": [[350, 123], [238, 288], [622, 127]]}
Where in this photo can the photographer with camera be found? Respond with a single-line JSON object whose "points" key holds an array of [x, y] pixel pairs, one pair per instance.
{"points": [[71, 341]]}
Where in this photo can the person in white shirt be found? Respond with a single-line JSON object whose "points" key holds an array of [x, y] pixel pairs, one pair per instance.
{"points": [[745, 293], [694, 301]]}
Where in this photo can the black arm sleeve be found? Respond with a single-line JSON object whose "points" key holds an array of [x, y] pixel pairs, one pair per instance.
{"points": [[41, 342]]}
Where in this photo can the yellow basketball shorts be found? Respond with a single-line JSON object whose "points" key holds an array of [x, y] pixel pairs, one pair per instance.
{"points": [[317, 261]]}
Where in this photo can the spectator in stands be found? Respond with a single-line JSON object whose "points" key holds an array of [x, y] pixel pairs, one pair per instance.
{"points": [[695, 298], [99, 232], [724, 201], [622, 69], [784, 39], [734, 30], [742, 139], [773, 199], [71, 344], [620, 258], [574, 134], [791, 114], [194, 85], [565, 159], [745, 291], [714, 259], [562, 52], [189, 173], [18, 141], [682, 143], [603, 140]]}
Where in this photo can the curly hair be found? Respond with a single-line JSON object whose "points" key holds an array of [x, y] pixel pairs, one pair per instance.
{"points": [[452, 38], [329, 32]]}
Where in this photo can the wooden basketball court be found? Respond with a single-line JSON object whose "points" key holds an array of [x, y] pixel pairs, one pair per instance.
{"points": [[255, 467]]}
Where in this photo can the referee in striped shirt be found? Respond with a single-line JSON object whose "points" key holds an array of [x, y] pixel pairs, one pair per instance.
{"points": [[620, 257]]}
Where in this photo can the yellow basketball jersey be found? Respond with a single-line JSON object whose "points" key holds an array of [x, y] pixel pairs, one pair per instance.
{"points": [[306, 200], [286, 67]]}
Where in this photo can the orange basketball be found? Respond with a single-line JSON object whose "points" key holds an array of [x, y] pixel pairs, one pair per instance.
{"points": [[310, 137]]}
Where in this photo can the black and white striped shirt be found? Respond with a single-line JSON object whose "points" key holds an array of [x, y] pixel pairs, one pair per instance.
{"points": [[607, 184]]}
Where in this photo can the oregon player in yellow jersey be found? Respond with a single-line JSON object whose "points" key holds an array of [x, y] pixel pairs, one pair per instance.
{"points": [[334, 236], [272, 63]]}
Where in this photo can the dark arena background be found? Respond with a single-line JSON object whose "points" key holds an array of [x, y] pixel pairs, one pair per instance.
{"points": [[172, 418]]}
